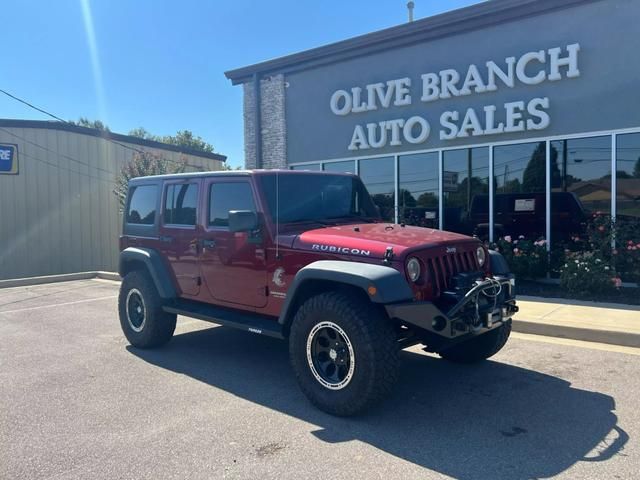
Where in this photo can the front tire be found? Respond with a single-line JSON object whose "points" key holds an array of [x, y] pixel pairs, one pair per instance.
{"points": [[142, 319], [344, 352], [479, 348]]}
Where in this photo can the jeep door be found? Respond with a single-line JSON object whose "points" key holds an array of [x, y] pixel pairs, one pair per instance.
{"points": [[232, 264], [178, 237]]}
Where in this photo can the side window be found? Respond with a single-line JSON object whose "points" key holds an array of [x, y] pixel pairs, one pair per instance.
{"points": [[142, 205], [228, 196], [180, 204]]}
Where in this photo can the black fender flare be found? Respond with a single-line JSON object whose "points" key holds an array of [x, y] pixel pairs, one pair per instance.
{"points": [[498, 264], [390, 285], [154, 265]]}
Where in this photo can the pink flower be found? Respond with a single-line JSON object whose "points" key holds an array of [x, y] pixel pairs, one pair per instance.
{"points": [[630, 242], [507, 238], [601, 228], [516, 251], [617, 282], [615, 251]]}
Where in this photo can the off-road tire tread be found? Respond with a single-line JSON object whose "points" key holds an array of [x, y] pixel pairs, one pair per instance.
{"points": [[480, 348], [159, 326], [377, 351]]}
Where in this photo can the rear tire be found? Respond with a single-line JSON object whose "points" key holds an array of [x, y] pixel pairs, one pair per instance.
{"points": [[142, 319], [479, 348], [344, 352]]}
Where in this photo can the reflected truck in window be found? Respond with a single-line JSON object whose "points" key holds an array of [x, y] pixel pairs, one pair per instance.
{"points": [[525, 214]]}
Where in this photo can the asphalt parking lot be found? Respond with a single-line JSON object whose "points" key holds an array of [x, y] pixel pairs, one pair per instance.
{"points": [[78, 402]]}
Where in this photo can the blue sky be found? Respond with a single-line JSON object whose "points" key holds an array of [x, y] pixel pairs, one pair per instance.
{"points": [[159, 64]]}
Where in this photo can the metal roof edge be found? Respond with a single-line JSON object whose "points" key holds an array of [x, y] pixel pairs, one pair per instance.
{"points": [[94, 132]]}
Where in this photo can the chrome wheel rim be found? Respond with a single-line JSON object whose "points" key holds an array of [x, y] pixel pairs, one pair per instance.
{"points": [[330, 355], [136, 310]]}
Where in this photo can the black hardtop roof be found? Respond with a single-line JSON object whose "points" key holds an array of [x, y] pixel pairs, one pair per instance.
{"points": [[229, 173]]}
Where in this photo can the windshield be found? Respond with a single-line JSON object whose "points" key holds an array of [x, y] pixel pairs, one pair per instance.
{"points": [[329, 199]]}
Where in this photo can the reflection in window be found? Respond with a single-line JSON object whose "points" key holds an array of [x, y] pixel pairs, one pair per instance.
{"points": [[142, 205], [465, 187], [628, 177], [314, 167], [226, 196], [519, 204], [418, 193], [180, 204], [377, 175], [580, 183], [348, 166]]}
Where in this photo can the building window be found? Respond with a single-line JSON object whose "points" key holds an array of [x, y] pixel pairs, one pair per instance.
{"points": [[580, 183], [519, 204], [180, 204], [628, 177], [465, 190], [418, 189], [348, 166], [378, 176], [142, 205], [227, 196], [313, 167]]}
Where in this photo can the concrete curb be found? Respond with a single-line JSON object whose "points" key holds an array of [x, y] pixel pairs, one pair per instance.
{"points": [[65, 277], [626, 339]]}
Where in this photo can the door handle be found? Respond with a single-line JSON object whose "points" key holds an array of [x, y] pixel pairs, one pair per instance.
{"points": [[166, 239], [208, 243]]}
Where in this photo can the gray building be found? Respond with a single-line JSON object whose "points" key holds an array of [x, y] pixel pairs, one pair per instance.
{"points": [[506, 117], [58, 213]]}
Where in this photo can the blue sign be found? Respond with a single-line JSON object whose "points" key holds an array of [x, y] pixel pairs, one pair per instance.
{"points": [[8, 159]]}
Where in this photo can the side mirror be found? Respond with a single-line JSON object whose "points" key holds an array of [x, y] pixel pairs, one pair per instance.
{"points": [[242, 220]]}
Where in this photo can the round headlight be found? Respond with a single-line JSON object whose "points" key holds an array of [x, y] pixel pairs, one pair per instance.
{"points": [[481, 256], [413, 269]]}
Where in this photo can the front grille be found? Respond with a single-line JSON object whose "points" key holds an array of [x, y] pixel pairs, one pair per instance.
{"points": [[442, 268]]}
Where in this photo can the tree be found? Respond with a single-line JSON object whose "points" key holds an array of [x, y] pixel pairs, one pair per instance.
{"points": [[183, 138], [141, 165], [227, 168], [406, 199], [534, 176], [85, 122]]}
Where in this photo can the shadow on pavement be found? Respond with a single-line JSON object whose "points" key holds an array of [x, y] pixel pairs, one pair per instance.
{"points": [[490, 420]]}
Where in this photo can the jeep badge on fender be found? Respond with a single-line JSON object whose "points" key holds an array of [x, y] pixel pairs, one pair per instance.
{"points": [[304, 256]]}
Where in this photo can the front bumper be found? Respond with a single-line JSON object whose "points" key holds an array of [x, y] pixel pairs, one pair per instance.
{"points": [[486, 306]]}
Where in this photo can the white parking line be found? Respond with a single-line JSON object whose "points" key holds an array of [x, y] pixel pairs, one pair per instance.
{"points": [[59, 304]]}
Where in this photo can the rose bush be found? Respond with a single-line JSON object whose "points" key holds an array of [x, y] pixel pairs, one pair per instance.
{"points": [[586, 273], [527, 258]]}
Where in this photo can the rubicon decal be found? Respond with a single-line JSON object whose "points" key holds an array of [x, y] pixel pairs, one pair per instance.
{"points": [[345, 250]]}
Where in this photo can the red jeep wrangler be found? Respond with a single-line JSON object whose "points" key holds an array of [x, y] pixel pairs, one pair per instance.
{"points": [[304, 256]]}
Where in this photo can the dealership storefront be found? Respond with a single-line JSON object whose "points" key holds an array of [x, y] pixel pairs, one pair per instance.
{"points": [[504, 118]]}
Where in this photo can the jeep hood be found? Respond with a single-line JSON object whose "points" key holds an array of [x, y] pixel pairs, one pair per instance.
{"points": [[372, 239]]}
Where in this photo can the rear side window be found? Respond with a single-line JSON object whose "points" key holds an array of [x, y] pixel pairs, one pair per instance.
{"points": [[180, 204], [142, 205], [228, 196]]}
